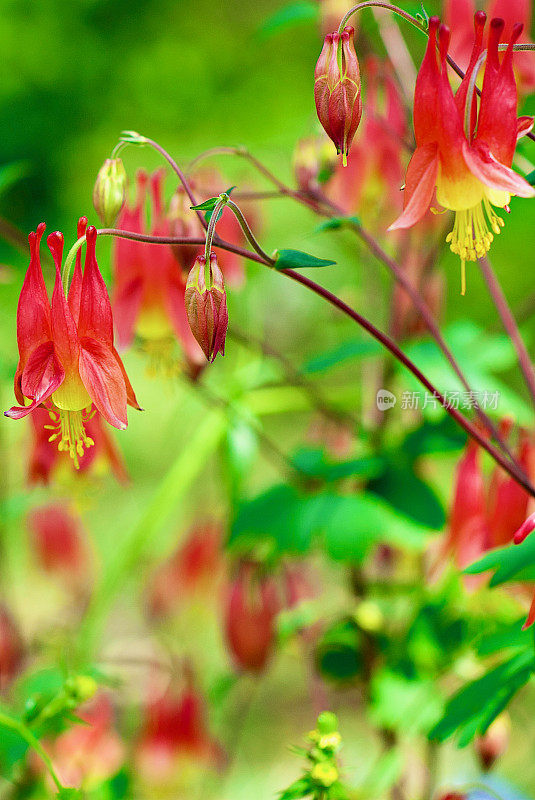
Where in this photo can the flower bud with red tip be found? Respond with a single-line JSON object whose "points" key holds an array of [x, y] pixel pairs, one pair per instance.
{"points": [[206, 307], [253, 604], [11, 649], [493, 744], [109, 192], [337, 89]]}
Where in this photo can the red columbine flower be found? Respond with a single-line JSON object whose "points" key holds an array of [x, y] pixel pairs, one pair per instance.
{"points": [[375, 171], [206, 307], [148, 298], [11, 649], [468, 533], [67, 358], [176, 737], [337, 89], [59, 545], [191, 571], [46, 460], [471, 171], [458, 14], [253, 604]]}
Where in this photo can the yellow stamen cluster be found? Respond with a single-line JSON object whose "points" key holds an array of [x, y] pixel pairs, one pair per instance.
{"points": [[161, 357], [68, 427], [472, 234]]}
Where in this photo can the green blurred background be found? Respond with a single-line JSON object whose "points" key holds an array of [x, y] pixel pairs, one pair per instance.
{"points": [[193, 74]]}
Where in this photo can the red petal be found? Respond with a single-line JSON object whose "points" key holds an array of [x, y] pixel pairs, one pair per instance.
{"points": [[95, 308], [458, 16], [42, 375], [497, 125], [64, 331], [420, 185], [33, 312], [489, 171], [426, 92], [103, 379], [126, 305], [130, 395]]}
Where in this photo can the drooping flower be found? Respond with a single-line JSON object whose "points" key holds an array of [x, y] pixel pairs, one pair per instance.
{"points": [[67, 359], [175, 741], [468, 530], [371, 182], [11, 648], [458, 15], [252, 606], [46, 461], [91, 752], [191, 571], [468, 164], [148, 297], [206, 306], [337, 89], [58, 544], [494, 742]]}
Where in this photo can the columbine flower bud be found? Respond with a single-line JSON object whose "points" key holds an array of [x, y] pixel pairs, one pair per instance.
{"points": [[110, 190], [337, 89], [206, 308]]}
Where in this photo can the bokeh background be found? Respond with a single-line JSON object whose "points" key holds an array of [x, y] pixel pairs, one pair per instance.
{"points": [[194, 74]]}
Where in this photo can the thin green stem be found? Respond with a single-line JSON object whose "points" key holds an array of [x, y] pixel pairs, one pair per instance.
{"points": [[19, 727], [71, 255], [247, 230], [210, 231], [375, 4]]}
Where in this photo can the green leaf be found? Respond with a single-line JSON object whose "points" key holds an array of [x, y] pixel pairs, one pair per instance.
{"points": [[508, 563], [314, 463], [476, 706], [209, 212], [299, 788], [12, 173], [402, 704], [404, 490], [207, 205], [335, 223], [288, 16], [531, 178], [338, 652], [353, 349], [295, 259]]}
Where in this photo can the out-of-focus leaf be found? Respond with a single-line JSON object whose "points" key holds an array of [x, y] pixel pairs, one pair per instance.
{"points": [[386, 771], [335, 223], [315, 463], [509, 636], [507, 563], [345, 352], [400, 704], [12, 173], [338, 652], [289, 15], [442, 436], [404, 490], [348, 525], [476, 706], [299, 788], [296, 259]]}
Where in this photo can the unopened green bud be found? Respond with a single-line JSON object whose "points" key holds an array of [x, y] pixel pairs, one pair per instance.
{"points": [[81, 688], [324, 773], [327, 723], [110, 190]]}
